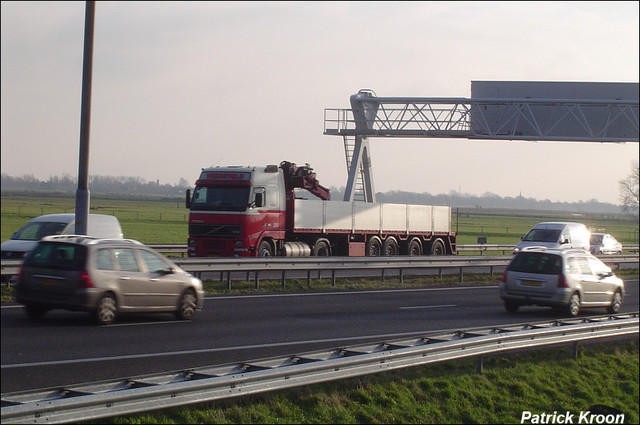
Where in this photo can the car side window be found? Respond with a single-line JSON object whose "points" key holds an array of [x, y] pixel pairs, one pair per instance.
{"points": [[583, 264], [104, 261], [126, 259], [153, 263], [574, 267], [598, 267]]}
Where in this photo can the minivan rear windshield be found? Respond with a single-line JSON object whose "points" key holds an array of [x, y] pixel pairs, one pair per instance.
{"points": [[57, 256], [542, 235], [38, 230], [536, 262]]}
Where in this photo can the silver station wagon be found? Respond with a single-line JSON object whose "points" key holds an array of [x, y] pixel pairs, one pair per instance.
{"points": [[567, 279], [105, 277]]}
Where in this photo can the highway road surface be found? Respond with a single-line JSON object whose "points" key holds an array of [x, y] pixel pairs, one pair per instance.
{"points": [[67, 348]]}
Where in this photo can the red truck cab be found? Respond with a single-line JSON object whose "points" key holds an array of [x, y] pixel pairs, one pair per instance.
{"points": [[236, 212]]}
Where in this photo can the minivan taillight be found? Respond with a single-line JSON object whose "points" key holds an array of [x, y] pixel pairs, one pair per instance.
{"points": [[84, 281], [504, 277], [562, 281], [19, 276]]}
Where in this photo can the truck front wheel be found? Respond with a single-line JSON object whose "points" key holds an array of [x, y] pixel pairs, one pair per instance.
{"points": [[265, 249]]}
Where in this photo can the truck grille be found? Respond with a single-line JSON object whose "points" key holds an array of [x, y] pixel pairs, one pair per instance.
{"points": [[215, 230]]}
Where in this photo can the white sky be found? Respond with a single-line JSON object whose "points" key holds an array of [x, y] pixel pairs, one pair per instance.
{"points": [[178, 86]]}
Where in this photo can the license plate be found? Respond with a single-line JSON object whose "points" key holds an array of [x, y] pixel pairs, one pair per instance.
{"points": [[48, 281], [535, 283]]}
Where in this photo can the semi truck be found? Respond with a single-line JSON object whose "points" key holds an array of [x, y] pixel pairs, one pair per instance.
{"points": [[261, 211]]}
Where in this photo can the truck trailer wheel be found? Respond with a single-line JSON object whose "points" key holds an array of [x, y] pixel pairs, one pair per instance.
{"points": [[437, 248], [390, 247], [414, 247], [374, 247]]}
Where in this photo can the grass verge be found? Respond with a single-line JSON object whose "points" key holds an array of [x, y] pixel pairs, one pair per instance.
{"points": [[544, 381]]}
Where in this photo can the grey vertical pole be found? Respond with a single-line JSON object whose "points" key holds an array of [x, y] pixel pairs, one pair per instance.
{"points": [[82, 193]]}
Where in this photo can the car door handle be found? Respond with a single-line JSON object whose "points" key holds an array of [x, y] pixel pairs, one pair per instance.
{"points": [[125, 278], [154, 279]]}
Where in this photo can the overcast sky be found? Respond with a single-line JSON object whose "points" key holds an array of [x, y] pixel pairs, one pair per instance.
{"points": [[178, 86]]}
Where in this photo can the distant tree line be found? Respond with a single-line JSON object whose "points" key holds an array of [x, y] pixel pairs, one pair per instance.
{"points": [[97, 185], [129, 186]]}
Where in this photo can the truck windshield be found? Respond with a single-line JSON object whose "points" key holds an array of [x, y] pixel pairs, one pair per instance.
{"points": [[220, 198]]}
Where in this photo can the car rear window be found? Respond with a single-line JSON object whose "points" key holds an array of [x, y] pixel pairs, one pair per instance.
{"points": [[536, 262], [57, 256], [542, 235], [38, 230]]}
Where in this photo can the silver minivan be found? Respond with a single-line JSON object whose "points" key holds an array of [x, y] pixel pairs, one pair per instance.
{"points": [[106, 277], [25, 239], [563, 278], [556, 235]]}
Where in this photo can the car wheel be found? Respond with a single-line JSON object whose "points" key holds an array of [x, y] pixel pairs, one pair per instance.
{"points": [[573, 308], [616, 303], [511, 307], [106, 309], [187, 305], [35, 311]]}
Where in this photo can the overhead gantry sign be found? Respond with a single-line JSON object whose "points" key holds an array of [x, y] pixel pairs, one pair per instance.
{"points": [[533, 111]]}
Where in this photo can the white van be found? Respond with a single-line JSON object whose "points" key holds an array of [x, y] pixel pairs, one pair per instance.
{"points": [[557, 235], [25, 239]]}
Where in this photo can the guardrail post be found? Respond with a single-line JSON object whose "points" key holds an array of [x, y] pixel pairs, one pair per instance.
{"points": [[257, 279], [333, 278], [382, 274], [461, 275], [575, 350], [480, 365], [229, 281], [308, 279], [401, 275], [282, 279]]}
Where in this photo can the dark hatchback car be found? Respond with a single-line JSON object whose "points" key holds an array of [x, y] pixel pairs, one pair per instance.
{"points": [[105, 277]]}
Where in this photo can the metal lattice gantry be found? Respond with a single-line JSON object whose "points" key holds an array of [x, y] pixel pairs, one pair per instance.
{"points": [[532, 119]]}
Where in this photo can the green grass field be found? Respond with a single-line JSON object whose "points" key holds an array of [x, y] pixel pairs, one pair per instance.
{"points": [[165, 221]]}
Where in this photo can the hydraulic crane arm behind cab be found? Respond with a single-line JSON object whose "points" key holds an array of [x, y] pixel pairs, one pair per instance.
{"points": [[304, 178]]}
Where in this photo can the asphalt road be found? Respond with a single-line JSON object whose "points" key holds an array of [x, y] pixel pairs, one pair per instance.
{"points": [[66, 348]]}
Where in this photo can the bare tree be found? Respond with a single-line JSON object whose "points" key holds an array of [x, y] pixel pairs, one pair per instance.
{"points": [[629, 189]]}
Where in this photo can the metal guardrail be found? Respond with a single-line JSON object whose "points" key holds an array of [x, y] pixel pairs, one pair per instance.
{"points": [[122, 397], [332, 265], [480, 248]]}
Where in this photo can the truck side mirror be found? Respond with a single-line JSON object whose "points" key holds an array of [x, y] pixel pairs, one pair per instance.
{"points": [[258, 200], [187, 200]]}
